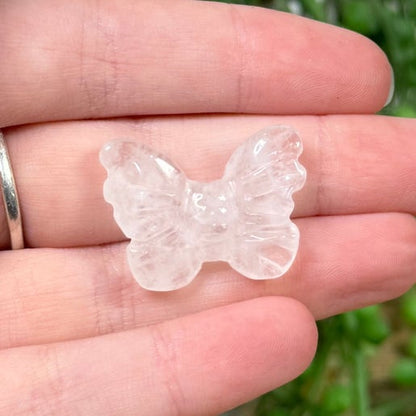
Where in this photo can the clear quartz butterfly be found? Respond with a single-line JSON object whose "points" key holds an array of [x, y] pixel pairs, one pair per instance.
{"points": [[176, 224]]}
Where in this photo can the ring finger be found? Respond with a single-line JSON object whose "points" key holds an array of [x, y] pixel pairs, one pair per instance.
{"points": [[49, 295]]}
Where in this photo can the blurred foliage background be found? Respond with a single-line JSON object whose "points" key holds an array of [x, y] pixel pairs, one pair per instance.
{"points": [[366, 359]]}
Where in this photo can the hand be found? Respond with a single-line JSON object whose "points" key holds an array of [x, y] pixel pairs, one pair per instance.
{"points": [[78, 335]]}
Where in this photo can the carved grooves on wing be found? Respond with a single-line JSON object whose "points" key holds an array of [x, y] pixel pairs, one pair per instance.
{"points": [[266, 185]]}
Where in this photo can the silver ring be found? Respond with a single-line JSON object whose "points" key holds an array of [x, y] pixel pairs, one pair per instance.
{"points": [[10, 197]]}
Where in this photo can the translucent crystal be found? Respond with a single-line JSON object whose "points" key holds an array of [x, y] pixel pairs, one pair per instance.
{"points": [[175, 224]]}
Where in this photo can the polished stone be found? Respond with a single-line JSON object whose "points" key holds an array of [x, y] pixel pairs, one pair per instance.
{"points": [[175, 224]]}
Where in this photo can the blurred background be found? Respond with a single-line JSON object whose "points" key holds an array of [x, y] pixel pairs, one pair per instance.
{"points": [[366, 359]]}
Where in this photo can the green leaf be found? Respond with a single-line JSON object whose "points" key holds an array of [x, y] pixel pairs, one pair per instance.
{"points": [[359, 16], [408, 308], [404, 372], [372, 325], [411, 346], [336, 399]]}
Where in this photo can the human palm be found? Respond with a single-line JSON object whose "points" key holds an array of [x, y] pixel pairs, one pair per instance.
{"points": [[77, 334]]}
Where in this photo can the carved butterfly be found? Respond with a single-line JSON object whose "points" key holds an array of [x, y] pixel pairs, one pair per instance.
{"points": [[176, 224]]}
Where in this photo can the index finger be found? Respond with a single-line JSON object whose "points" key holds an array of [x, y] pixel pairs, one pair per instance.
{"points": [[103, 59]]}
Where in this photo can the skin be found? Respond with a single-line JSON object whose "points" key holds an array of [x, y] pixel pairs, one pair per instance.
{"points": [[77, 335]]}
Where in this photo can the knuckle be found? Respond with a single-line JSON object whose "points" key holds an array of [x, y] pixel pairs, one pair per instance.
{"points": [[166, 354]]}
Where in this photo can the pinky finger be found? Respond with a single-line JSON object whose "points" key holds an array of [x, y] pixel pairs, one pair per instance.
{"points": [[201, 364]]}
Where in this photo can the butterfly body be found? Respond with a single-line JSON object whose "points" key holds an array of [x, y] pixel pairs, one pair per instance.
{"points": [[212, 215]]}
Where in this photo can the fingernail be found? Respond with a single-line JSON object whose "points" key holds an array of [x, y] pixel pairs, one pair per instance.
{"points": [[391, 92]]}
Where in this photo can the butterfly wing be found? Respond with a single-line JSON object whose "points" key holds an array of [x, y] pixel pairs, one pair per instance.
{"points": [[266, 172], [147, 193]]}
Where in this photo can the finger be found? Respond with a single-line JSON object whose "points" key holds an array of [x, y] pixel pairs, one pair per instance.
{"points": [[157, 57], [355, 164], [49, 295], [198, 365]]}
